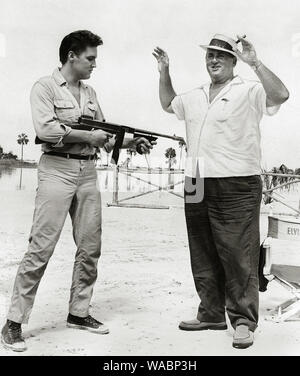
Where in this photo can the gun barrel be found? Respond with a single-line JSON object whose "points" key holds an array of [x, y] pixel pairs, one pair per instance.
{"points": [[174, 137], [114, 127]]}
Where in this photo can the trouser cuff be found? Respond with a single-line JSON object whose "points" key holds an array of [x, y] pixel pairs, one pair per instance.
{"points": [[205, 318], [18, 319], [79, 313]]}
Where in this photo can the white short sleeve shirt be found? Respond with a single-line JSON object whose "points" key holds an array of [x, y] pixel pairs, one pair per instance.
{"points": [[224, 135]]}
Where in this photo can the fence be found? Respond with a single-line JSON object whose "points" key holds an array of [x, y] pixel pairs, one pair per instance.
{"points": [[132, 173], [153, 187]]}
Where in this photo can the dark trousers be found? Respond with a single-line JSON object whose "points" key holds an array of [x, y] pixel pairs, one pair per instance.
{"points": [[223, 234]]}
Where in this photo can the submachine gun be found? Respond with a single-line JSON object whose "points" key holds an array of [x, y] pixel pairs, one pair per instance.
{"points": [[86, 123]]}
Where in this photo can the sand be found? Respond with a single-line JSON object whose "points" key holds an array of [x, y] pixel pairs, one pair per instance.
{"points": [[144, 288]]}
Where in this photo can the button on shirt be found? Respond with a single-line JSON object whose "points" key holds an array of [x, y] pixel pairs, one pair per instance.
{"points": [[224, 135], [54, 107]]}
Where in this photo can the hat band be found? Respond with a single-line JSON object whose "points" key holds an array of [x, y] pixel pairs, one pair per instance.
{"points": [[221, 43]]}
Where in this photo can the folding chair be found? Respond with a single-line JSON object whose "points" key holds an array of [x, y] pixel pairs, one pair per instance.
{"points": [[282, 263]]}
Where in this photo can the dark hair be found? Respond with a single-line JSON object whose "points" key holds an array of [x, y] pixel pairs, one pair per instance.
{"points": [[77, 42]]}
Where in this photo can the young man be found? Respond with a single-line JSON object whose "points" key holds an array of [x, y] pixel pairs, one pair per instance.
{"points": [[66, 184], [222, 126]]}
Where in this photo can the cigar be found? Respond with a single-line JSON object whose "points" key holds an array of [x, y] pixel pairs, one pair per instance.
{"points": [[238, 41]]}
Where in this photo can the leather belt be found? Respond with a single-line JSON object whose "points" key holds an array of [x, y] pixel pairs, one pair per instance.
{"points": [[72, 156]]}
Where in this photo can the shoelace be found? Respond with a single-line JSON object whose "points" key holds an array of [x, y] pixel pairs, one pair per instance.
{"points": [[93, 321], [15, 332]]}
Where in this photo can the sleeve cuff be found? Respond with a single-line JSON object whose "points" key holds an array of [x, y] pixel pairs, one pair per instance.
{"points": [[177, 107], [108, 146], [60, 142], [270, 111]]}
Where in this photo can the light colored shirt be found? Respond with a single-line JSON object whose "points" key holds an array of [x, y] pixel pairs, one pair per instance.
{"points": [[223, 135], [53, 107]]}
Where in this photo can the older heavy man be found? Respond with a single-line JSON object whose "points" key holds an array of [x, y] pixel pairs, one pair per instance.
{"points": [[222, 126]]}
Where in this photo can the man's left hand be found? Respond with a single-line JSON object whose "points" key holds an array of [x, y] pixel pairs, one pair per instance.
{"points": [[142, 145], [248, 54]]}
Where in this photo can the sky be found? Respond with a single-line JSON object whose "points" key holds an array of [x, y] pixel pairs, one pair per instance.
{"points": [[126, 78]]}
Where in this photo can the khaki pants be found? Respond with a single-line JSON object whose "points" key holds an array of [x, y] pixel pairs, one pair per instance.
{"points": [[64, 185]]}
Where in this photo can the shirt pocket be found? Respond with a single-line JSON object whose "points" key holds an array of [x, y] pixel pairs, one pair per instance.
{"points": [[90, 109], [228, 120], [64, 110], [223, 111]]}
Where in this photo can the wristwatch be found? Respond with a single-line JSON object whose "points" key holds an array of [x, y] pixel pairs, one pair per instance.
{"points": [[256, 65]]}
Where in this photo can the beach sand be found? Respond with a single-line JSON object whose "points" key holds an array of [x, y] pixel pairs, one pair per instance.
{"points": [[144, 288]]}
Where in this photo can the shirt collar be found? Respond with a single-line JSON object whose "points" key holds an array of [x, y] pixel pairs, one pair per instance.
{"points": [[60, 80], [235, 81]]}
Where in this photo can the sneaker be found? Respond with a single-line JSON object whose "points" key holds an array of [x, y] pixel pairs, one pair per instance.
{"points": [[242, 337], [11, 336], [87, 323], [202, 325]]}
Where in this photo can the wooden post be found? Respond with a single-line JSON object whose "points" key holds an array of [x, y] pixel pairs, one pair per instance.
{"points": [[160, 177], [116, 185]]}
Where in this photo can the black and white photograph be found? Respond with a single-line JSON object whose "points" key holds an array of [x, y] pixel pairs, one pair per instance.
{"points": [[149, 180]]}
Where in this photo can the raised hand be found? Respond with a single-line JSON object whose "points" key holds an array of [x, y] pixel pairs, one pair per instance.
{"points": [[248, 54], [161, 57]]}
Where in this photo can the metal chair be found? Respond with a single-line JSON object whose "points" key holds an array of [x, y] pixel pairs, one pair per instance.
{"points": [[282, 263]]}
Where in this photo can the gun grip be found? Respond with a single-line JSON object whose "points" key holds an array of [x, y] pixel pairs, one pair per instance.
{"points": [[150, 138], [118, 144]]}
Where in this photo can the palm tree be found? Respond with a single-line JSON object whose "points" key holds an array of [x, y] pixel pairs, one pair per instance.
{"points": [[107, 157], [268, 183], [181, 145], [22, 140], [98, 156], [170, 154], [130, 154], [274, 181], [283, 169]]}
